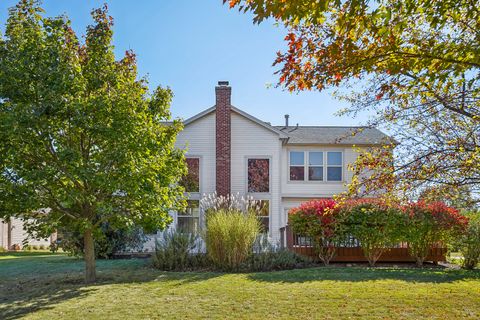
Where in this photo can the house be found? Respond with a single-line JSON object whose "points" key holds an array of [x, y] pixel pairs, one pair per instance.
{"points": [[14, 236], [231, 152]]}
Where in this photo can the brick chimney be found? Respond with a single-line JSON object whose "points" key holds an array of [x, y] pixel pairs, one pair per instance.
{"points": [[223, 94]]}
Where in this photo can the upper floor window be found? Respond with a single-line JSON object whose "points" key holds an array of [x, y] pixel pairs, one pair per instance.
{"points": [[315, 166], [318, 165], [297, 165], [258, 175], [334, 166], [191, 182]]}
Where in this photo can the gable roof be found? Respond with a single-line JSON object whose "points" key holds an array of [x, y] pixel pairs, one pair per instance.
{"points": [[314, 134], [282, 134], [335, 135]]}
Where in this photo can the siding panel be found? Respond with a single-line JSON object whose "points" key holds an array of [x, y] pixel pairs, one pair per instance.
{"points": [[249, 140], [198, 138]]}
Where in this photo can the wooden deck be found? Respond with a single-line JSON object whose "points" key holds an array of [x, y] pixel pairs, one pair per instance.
{"points": [[351, 251]]}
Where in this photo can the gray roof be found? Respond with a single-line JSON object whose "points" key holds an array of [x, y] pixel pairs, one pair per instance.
{"points": [[314, 134], [335, 135]]}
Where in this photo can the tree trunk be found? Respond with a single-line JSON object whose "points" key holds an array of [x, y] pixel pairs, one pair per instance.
{"points": [[89, 256], [419, 261]]}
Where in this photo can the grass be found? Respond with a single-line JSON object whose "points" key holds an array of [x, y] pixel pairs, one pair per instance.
{"points": [[37, 285]]}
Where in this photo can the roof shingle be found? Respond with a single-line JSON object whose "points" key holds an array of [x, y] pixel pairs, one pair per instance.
{"points": [[334, 135]]}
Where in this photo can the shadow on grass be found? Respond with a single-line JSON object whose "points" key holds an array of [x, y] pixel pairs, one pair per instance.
{"points": [[30, 300], [39, 282], [45, 281], [359, 274]]}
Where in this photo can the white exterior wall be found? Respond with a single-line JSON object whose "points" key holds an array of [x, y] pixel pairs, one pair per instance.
{"points": [[18, 235], [317, 189], [249, 139], [3, 235], [252, 140], [295, 193], [198, 138]]}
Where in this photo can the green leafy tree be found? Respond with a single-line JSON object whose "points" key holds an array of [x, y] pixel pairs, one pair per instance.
{"points": [[413, 64], [83, 141], [460, 198], [468, 242]]}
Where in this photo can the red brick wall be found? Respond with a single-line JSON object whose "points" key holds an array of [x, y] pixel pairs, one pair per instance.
{"points": [[223, 138]]}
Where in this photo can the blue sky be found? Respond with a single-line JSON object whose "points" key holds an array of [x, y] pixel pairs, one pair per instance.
{"points": [[189, 45]]}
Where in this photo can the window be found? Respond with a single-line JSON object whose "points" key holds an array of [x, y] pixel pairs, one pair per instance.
{"points": [[264, 214], [258, 175], [191, 182], [315, 166], [297, 165], [318, 165], [188, 221], [334, 166]]}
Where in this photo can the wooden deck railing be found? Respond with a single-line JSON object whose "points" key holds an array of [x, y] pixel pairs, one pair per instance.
{"points": [[351, 250]]}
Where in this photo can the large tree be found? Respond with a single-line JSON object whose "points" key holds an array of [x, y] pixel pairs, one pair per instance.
{"points": [[414, 64], [83, 141]]}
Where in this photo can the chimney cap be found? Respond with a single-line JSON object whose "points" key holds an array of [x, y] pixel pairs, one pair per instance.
{"points": [[223, 83]]}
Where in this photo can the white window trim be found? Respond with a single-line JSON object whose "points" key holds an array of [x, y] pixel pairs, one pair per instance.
{"points": [[196, 195], [297, 166], [334, 166], [259, 194], [269, 212], [306, 165], [199, 217]]}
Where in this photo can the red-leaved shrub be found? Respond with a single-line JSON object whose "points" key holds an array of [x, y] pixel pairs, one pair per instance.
{"points": [[318, 220], [429, 225]]}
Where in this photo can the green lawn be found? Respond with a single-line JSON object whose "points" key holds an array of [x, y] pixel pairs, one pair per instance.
{"points": [[46, 286]]}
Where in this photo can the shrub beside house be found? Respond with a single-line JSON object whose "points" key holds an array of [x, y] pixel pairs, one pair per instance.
{"points": [[377, 227]]}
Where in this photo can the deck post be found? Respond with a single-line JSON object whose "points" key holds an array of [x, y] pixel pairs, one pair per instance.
{"points": [[289, 237]]}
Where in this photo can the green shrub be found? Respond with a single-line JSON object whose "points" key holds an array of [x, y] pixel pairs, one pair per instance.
{"points": [[229, 236], [276, 260], [2, 249], [27, 248], [178, 251], [468, 242], [108, 242], [267, 257], [428, 225], [376, 225]]}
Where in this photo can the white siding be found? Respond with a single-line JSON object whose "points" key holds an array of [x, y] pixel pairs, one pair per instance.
{"points": [[249, 139], [295, 193], [3, 235], [315, 188], [18, 235], [198, 138], [252, 140]]}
